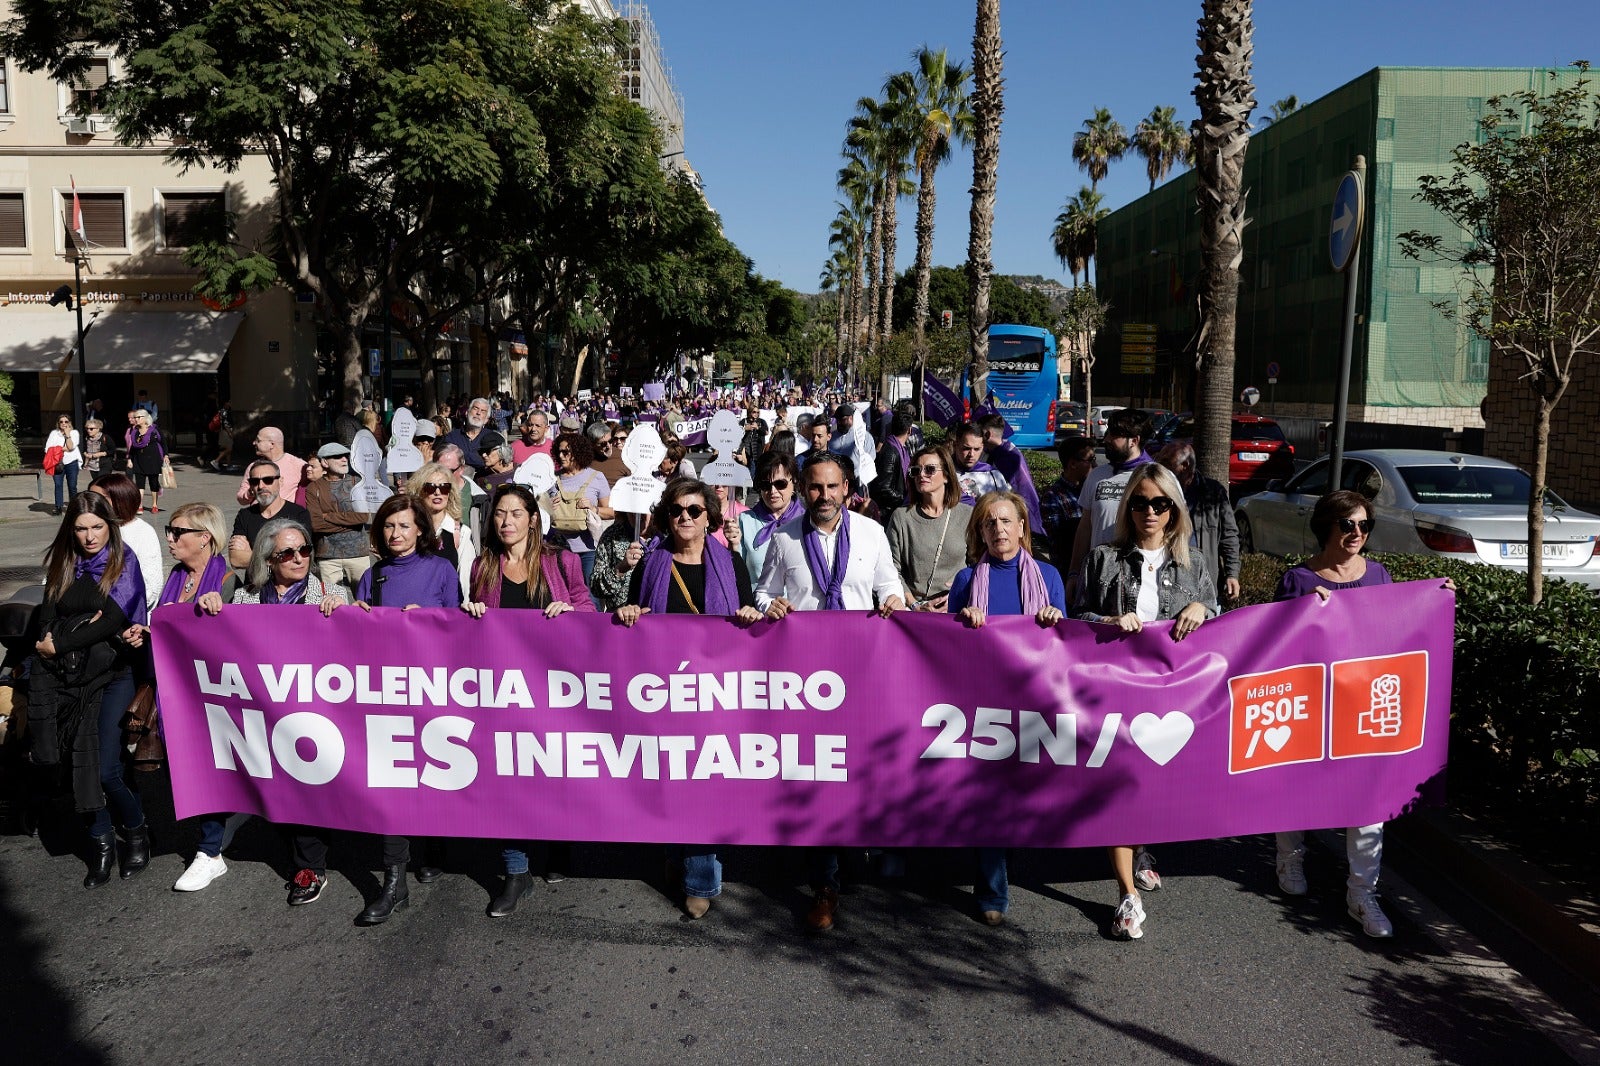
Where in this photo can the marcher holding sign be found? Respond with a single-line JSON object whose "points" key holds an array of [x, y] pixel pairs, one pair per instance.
{"points": [[1146, 574], [519, 571], [691, 573]]}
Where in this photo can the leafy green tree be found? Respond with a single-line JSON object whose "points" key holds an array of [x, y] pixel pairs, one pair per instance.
{"points": [[1076, 234], [1162, 141], [1281, 109], [1526, 195], [1009, 302], [1101, 142]]}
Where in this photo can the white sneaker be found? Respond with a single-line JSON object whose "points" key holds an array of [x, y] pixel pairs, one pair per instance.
{"points": [[1292, 874], [201, 873], [1144, 871], [1129, 921], [1363, 906]]}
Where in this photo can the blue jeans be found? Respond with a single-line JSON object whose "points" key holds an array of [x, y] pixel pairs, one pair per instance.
{"points": [[514, 856], [216, 832], [121, 801], [515, 860], [588, 565], [702, 870], [66, 474], [992, 890]]}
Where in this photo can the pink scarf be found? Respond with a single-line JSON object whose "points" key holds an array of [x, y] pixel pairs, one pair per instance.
{"points": [[1035, 596]]}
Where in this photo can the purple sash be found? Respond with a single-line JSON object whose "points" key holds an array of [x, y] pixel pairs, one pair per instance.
{"points": [[830, 586], [770, 522], [722, 589]]}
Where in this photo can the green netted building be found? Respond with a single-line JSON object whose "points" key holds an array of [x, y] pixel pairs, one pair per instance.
{"points": [[1411, 364]]}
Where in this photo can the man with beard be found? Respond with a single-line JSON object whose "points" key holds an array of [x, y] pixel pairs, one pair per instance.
{"points": [[474, 436], [1102, 490], [266, 481]]}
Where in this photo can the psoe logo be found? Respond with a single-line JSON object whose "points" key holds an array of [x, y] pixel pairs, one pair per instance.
{"points": [[1278, 717], [1380, 705]]}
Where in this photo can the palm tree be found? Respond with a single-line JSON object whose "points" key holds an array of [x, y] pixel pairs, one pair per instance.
{"points": [[1163, 142], [856, 181], [885, 131], [1076, 232], [835, 277], [844, 237], [1101, 142], [862, 150], [1282, 109], [1226, 96], [988, 102], [944, 116]]}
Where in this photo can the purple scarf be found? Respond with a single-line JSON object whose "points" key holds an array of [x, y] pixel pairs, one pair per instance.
{"points": [[722, 589], [770, 522], [211, 579], [830, 586], [1138, 460], [296, 593], [127, 591], [1035, 597], [901, 454], [134, 439]]}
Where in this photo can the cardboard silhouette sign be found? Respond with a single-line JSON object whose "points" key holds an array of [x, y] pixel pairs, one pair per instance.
{"points": [[725, 434], [366, 459], [538, 473], [404, 457], [639, 491]]}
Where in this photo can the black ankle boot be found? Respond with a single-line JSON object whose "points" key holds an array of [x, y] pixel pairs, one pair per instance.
{"points": [[137, 855], [102, 856], [517, 888], [395, 896]]}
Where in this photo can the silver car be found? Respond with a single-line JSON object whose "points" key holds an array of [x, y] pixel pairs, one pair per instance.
{"points": [[1098, 416], [1464, 507]]}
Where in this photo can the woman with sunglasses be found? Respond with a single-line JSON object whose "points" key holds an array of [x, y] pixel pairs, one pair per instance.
{"points": [[279, 572], [518, 569], [777, 483], [1341, 521], [452, 538], [82, 680], [928, 536], [689, 572], [1146, 574], [1002, 577], [145, 455]]}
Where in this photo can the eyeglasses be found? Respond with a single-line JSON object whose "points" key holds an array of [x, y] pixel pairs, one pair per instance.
{"points": [[436, 488], [777, 484], [254, 481], [1158, 504], [563, 451], [927, 470], [1350, 525], [678, 510], [421, 440], [304, 551], [175, 532]]}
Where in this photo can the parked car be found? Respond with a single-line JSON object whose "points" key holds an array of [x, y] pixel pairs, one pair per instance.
{"points": [[1258, 451], [1071, 420], [1097, 420], [1162, 429], [1458, 506]]}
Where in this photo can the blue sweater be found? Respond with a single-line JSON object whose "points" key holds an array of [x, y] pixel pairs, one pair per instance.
{"points": [[1005, 587], [424, 580]]}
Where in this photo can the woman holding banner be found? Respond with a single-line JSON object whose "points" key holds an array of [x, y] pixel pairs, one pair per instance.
{"points": [[928, 537], [280, 573], [518, 569], [1146, 574], [409, 573], [1003, 578], [690, 572], [433, 485]]}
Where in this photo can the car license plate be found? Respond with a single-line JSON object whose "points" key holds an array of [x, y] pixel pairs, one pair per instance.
{"points": [[1553, 553], [1254, 457]]}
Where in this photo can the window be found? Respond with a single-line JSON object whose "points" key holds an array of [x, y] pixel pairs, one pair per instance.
{"points": [[13, 220], [105, 218], [5, 88], [88, 88], [187, 218]]}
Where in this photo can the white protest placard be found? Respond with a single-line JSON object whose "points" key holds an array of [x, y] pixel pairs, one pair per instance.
{"points": [[538, 474], [638, 492], [404, 457], [366, 459], [725, 434]]}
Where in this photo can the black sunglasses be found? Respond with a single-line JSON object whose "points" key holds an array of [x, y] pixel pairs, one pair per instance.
{"points": [[175, 532], [778, 483], [283, 556], [422, 440], [1350, 525], [435, 488], [1158, 504], [254, 481], [678, 510]]}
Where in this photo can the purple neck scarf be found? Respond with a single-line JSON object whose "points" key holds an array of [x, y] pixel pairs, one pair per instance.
{"points": [[135, 439], [1138, 460], [1035, 596], [770, 522], [830, 586], [722, 589], [211, 579], [296, 593]]}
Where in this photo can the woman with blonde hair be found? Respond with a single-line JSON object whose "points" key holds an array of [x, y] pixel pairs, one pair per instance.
{"points": [[146, 452], [1146, 574], [432, 484]]}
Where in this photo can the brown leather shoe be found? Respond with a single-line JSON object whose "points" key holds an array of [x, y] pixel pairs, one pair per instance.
{"points": [[993, 917], [696, 906], [823, 907]]}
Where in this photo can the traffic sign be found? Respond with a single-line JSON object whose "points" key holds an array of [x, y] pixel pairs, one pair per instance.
{"points": [[1138, 349], [1272, 369], [1139, 329], [1344, 227]]}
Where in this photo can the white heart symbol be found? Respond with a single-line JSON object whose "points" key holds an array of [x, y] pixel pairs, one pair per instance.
{"points": [[1277, 737], [1162, 737]]}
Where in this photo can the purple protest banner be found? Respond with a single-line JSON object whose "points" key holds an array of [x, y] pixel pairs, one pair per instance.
{"points": [[655, 391], [821, 728]]}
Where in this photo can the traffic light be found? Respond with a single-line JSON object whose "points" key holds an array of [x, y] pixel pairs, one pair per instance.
{"points": [[947, 319]]}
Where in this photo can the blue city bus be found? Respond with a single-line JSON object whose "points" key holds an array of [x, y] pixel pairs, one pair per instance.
{"points": [[1023, 383]]}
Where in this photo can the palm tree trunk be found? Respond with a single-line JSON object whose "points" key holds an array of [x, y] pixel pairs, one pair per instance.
{"points": [[857, 280], [1226, 96], [890, 245], [839, 327], [875, 286], [927, 195], [987, 104]]}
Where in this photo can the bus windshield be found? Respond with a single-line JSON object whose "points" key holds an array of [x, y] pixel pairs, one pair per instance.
{"points": [[1015, 355]]}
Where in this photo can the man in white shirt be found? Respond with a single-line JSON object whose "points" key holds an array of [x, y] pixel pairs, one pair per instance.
{"points": [[1102, 490], [792, 580]]}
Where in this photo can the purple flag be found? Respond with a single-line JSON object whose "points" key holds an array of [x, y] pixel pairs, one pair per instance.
{"points": [[825, 728], [940, 402]]}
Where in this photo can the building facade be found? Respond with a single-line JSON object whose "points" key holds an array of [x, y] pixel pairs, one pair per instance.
{"points": [[647, 79], [1411, 364]]}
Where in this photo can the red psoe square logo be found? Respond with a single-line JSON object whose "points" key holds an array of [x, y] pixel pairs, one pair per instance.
{"points": [[1278, 717], [1380, 705]]}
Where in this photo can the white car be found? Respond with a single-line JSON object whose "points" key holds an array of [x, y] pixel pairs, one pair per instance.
{"points": [[1097, 421], [1464, 507]]}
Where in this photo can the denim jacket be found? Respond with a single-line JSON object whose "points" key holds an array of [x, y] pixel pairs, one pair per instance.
{"points": [[1111, 585]]}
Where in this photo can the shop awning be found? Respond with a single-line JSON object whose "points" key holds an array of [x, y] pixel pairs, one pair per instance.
{"points": [[119, 342]]}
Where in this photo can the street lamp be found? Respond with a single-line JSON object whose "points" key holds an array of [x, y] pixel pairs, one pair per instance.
{"points": [[73, 298]]}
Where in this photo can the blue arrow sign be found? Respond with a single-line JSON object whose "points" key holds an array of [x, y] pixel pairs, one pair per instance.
{"points": [[1344, 228]]}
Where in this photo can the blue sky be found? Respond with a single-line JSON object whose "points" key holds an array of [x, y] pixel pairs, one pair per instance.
{"points": [[769, 87]]}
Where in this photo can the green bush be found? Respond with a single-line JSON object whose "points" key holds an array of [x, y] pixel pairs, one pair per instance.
{"points": [[932, 432], [1525, 698], [10, 459]]}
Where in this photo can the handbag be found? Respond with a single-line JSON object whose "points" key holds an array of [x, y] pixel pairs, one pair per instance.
{"points": [[169, 479], [141, 730], [52, 458], [566, 515]]}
